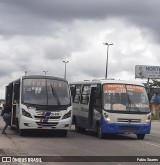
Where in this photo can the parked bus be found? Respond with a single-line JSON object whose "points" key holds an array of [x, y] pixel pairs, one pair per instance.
{"points": [[40, 102], [111, 107]]}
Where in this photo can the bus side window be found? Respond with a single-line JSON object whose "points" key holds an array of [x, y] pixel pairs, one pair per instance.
{"points": [[76, 98], [73, 91], [98, 99], [85, 94]]}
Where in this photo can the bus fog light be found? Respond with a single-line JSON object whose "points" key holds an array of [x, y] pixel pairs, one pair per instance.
{"points": [[148, 119], [66, 125], [107, 117]]}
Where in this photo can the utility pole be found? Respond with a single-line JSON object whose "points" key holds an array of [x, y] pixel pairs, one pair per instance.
{"points": [[107, 58], [45, 72], [25, 73], [65, 62]]}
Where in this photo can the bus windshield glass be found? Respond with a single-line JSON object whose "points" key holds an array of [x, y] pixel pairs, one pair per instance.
{"points": [[121, 97], [45, 92]]}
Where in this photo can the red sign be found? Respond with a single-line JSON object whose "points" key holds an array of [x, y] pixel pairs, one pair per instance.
{"points": [[121, 88], [114, 88], [134, 88]]}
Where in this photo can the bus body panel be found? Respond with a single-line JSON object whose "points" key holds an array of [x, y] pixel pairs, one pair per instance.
{"points": [[121, 128], [41, 118], [122, 122]]}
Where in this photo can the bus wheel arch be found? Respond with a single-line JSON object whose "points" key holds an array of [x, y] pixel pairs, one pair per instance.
{"points": [[99, 130]]}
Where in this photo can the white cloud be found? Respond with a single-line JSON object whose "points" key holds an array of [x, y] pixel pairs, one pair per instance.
{"points": [[81, 42]]}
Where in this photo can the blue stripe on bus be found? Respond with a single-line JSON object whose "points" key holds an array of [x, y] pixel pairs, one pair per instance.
{"points": [[120, 128]]}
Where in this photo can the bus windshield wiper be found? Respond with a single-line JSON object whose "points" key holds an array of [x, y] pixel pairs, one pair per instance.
{"points": [[55, 95]]}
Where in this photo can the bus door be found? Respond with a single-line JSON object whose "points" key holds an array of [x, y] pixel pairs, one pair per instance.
{"points": [[84, 105], [15, 102], [8, 95], [97, 106], [91, 106]]}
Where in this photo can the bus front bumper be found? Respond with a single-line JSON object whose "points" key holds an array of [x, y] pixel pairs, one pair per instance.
{"points": [[122, 128], [29, 123]]}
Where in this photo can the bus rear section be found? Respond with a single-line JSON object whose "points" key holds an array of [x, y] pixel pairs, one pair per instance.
{"points": [[111, 107], [40, 102]]}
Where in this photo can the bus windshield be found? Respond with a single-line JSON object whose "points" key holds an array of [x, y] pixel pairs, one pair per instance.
{"points": [[45, 92], [121, 97]]}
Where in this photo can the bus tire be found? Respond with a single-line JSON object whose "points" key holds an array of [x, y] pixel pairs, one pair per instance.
{"points": [[77, 129], [99, 132], [140, 136], [17, 124], [21, 132]]}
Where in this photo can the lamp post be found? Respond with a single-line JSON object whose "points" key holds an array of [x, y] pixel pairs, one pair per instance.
{"points": [[65, 62], [107, 57], [45, 72], [25, 73]]}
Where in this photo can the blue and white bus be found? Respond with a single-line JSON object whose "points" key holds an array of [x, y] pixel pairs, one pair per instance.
{"points": [[40, 102], [111, 107]]}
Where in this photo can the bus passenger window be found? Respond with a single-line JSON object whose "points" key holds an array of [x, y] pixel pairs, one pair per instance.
{"points": [[85, 94], [76, 98]]}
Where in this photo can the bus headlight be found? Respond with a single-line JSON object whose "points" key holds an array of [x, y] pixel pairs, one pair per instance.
{"points": [[107, 117], [148, 119], [67, 115], [25, 113]]}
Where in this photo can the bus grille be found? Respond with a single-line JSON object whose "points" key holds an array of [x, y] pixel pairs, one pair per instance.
{"points": [[47, 117], [129, 128], [46, 124], [123, 120]]}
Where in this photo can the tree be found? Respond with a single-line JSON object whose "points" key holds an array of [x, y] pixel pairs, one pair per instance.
{"points": [[155, 83]]}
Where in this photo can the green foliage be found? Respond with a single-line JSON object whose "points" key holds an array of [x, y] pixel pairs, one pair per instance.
{"points": [[155, 83], [155, 117]]}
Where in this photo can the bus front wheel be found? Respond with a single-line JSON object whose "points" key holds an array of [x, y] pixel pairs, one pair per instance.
{"points": [[21, 132], [99, 131], [140, 136]]}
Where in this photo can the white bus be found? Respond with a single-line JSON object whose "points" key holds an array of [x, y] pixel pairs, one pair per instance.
{"points": [[111, 107], [40, 102]]}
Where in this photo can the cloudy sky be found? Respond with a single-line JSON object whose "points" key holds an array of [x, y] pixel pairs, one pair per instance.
{"points": [[37, 35]]}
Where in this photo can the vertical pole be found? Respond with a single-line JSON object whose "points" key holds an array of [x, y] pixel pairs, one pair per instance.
{"points": [[107, 62], [65, 71], [106, 75]]}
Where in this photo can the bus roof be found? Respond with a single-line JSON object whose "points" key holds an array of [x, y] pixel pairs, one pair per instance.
{"points": [[37, 77], [107, 81], [42, 77]]}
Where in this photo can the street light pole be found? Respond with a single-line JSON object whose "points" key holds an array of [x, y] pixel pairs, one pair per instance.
{"points": [[65, 62], [25, 73], [45, 72], [107, 57]]}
